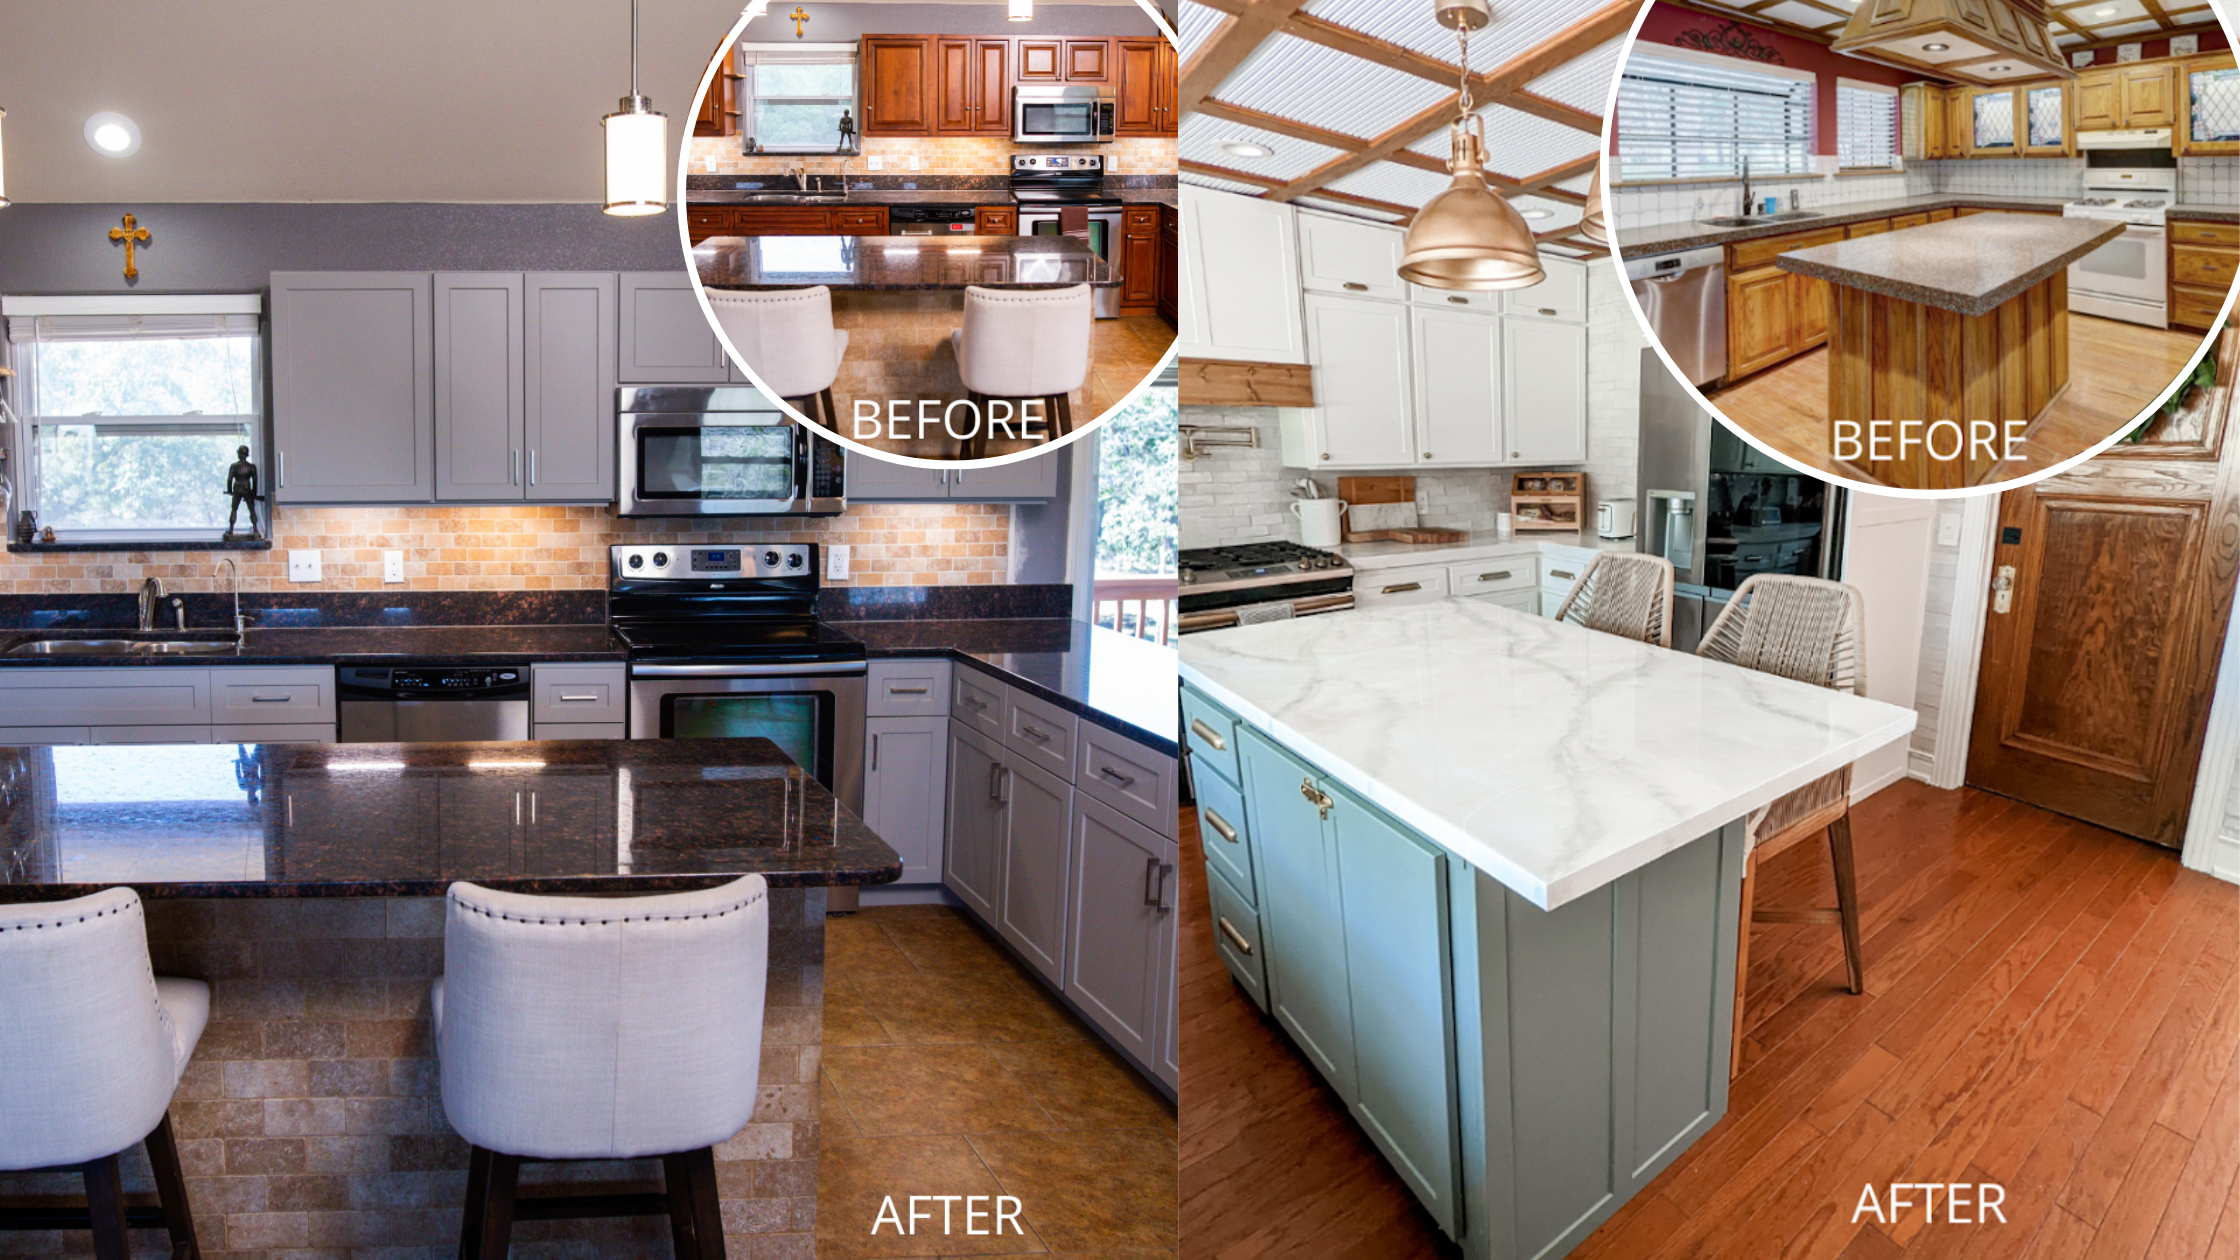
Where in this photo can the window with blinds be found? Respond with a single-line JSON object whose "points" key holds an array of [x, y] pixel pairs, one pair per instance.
{"points": [[1703, 117], [133, 409], [793, 96], [1866, 126]]}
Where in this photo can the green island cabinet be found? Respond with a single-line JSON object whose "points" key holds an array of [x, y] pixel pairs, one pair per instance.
{"points": [[1525, 1071]]}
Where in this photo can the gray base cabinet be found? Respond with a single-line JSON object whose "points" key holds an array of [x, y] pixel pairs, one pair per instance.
{"points": [[905, 764], [973, 868], [166, 704], [353, 387], [1031, 912], [1119, 960]]}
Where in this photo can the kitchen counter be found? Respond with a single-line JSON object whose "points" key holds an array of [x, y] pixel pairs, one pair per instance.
{"points": [[899, 263], [346, 645], [1118, 681], [1551, 757], [1387, 555], [405, 820], [1664, 238], [856, 197], [2210, 213], [1967, 266]]}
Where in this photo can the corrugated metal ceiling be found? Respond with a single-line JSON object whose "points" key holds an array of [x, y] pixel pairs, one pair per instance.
{"points": [[1309, 83]]}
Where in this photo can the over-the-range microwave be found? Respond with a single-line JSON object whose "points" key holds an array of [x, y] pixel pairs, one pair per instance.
{"points": [[721, 451], [1071, 113]]}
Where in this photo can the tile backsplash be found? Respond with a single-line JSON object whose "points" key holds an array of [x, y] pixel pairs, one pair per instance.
{"points": [[937, 155], [534, 549]]}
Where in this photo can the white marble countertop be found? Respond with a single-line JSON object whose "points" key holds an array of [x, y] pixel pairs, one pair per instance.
{"points": [[1483, 546], [1553, 758]]}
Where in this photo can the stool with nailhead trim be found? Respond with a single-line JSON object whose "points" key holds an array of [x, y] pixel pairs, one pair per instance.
{"points": [[92, 1045], [596, 1028]]}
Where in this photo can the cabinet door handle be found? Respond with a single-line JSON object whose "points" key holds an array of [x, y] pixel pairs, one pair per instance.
{"points": [[1562, 573], [1199, 728], [532, 808], [291, 801], [1236, 938], [576, 699], [1165, 869], [1502, 576], [1220, 825], [1402, 588], [995, 780], [268, 699], [874, 754], [908, 691], [1319, 799], [517, 809], [513, 466], [1122, 779], [532, 465], [1353, 286], [283, 470]]}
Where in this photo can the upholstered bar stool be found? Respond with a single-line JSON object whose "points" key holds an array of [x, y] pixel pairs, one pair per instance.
{"points": [[788, 339], [1813, 631], [1022, 344], [594, 1028], [1623, 593], [92, 1044]]}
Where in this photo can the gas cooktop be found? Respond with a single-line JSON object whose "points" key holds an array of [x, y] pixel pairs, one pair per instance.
{"points": [[1206, 566]]}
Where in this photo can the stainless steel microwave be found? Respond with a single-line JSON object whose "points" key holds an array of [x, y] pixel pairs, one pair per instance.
{"points": [[1071, 113], [722, 451]]}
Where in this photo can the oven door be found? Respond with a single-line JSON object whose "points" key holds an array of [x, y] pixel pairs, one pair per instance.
{"points": [[723, 464], [1104, 236], [816, 718], [2131, 271]]}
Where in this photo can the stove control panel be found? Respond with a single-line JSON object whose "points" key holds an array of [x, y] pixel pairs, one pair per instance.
{"points": [[688, 562]]}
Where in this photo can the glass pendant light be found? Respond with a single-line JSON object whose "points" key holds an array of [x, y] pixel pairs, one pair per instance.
{"points": [[1467, 237], [637, 139], [1592, 226]]}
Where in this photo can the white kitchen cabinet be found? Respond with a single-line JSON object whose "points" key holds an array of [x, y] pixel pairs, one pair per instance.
{"points": [[905, 763], [1362, 388], [1562, 294], [1412, 584], [908, 688], [1544, 394], [1240, 279], [1350, 257], [1508, 576], [1488, 301], [1457, 387]]}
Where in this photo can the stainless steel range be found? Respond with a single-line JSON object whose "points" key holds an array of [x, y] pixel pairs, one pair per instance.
{"points": [[1254, 582], [1044, 183]]}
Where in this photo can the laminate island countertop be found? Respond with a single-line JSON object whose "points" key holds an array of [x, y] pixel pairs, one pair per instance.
{"points": [[899, 263], [1553, 758], [405, 820], [1968, 266]]}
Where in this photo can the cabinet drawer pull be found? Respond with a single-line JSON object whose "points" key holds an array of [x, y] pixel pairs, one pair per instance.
{"points": [[1236, 938], [1220, 825], [1034, 733], [1502, 576], [268, 699], [1199, 728], [1562, 573], [1319, 799], [972, 703], [1547, 310], [1353, 286], [1459, 301], [908, 691], [1401, 588], [578, 699], [1122, 779]]}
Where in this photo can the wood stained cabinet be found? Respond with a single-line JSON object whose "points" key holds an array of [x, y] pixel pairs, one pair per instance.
{"points": [[1139, 258], [2193, 75], [995, 221], [1170, 280], [972, 86], [706, 221], [2123, 97], [719, 109], [1065, 61], [2203, 259], [1773, 315], [897, 85], [919, 85], [1146, 95]]}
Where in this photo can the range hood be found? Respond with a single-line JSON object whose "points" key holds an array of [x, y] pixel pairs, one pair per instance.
{"points": [[1985, 42]]}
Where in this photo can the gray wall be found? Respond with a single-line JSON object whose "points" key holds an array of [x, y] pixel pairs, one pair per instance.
{"points": [[839, 23]]}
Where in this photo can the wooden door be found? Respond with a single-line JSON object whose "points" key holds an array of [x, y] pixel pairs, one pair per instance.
{"points": [[898, 85], [1163, 87], [1137, 108], [1139, 257], [1088, 61], [1041, 61], [2095, 683], [1758, 319], [2147, 97], [2099, 105], [2200, 69], [991, 85], [1170, 286], [1927, 105]]}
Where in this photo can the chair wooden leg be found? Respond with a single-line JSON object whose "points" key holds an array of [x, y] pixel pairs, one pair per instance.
{"points": [[831, 413], [1847, 899], [976, 446], [707, 1215], [478, 1191], [1063, 410], [497, 1205], [105, 1208], [676, 1178], [171, 1191]]}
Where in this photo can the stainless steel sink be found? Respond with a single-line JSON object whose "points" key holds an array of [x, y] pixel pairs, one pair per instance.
{"points": [[1755, 220], [187, 647], [1734, 221], [122, 647], [795, 199]]}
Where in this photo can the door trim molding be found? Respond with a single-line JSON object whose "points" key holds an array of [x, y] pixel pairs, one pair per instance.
{"points": [[1963, 656], [2220, 750]]}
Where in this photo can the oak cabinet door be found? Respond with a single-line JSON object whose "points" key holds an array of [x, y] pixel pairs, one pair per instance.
{"points": [[1758, 319]]}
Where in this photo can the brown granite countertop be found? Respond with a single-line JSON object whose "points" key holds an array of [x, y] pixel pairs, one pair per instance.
{"points": [[1968, 265], [340, 645], [1665, 238], [404, 820], [2214, 214], [748, 263], [855, 197]]}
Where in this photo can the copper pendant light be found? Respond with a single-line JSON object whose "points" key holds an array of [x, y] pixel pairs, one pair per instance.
{"points": [[1468, 237], [1592, 226]]}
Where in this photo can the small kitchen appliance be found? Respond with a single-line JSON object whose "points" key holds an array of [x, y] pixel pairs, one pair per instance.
{"points": [[1044, 183], [1067, 113], [1251, 582], [721, 451], [1613, 518], [2127, 278]]}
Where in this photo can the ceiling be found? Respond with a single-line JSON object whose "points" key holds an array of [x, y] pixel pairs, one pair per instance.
{"points": [[2077, 24], [1354, 96]]}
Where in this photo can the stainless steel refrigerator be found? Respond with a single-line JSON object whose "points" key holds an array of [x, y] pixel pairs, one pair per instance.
{"points": [[1719, 509]]}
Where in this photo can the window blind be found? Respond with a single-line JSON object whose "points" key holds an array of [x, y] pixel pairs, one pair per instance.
{"points": [[1685, 118], [1866, 126], [27, 328]]}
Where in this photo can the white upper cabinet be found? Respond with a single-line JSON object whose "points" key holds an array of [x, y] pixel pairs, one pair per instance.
{"points": [[1361, 388], [1544, 394], [1240, 279], [1561, 295], [1458, 387], [1350, 257]]}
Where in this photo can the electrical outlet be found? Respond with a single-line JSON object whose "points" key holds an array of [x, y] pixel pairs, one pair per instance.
{"points": [[836, 563], [392, 566], [877, 162], [1948, 530], [303, 566], [913, 161]]}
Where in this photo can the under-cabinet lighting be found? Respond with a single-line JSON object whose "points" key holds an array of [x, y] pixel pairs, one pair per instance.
{"points": [[367, 765]]}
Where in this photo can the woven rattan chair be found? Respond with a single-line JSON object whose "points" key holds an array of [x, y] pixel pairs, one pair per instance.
{"points": [[1625, 594], [1812, 631]]}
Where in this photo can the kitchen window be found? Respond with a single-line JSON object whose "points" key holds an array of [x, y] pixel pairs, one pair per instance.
{"points": [[1866, 126], [130, 411], [792, 96], [1690, 116]]}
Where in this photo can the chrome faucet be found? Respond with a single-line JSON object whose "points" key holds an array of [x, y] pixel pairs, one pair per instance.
{"points": [[1748, 209], [151, 594], [800, 176], [240, 623]]}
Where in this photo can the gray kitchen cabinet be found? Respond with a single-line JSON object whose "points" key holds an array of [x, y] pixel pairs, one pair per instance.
{"points": [[1022, 480], [665, 335], [972, 867], [571, 344], [905, 759], [874, 480], [478, 330], [1169, 1066], [167, 704], [1037, 816], [578, 693], [45, 736], [353, 387], [1119, 951]]}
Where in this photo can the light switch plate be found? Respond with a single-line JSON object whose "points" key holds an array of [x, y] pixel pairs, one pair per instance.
{"points": [[392, 566], [913, 161], [836, 563], [1948, 530], [303, 566]]}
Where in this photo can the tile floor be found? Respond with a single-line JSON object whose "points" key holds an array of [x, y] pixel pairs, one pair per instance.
{"points": [[949, 1070]]}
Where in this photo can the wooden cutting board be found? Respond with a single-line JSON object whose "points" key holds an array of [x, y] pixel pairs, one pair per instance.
{"points": [[1393, 491]]}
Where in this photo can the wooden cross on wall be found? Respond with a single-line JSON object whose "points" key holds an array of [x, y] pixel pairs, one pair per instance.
{"points": [[131, 234], [798, 16]]}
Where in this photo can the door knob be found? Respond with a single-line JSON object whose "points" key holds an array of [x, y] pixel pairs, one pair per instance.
{"points": [[2002, 590]]}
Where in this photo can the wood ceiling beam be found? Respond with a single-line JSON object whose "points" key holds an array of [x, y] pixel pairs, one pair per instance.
{"points": [[1229, 173], [1407, 213], [1242, 29]]}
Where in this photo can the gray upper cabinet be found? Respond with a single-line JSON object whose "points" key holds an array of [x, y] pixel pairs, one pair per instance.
{"points": [[665, 337], [874, 480], [353, 387], [478, 385], [572, 343]]}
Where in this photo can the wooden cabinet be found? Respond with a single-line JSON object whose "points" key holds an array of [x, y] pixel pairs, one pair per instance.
{"points": [[1065, 61], [2099, 102], [919, 85], [1145, 98], [1240, 279], [1170, 279], [1994, 126], [1139, 258], [2044, 122], [703, 222], [897, 87], [972, 86], [995, 220], [1923, 110], [719, 107], [2203, 259], [2196, 77], [478, 385], [1774, 315], [1872, 227], [2124, 97], [1959, 123], [353, 387], [905, 770]]}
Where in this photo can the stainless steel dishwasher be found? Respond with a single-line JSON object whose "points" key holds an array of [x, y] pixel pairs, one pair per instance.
{"points": [[431, 704], [1684, 297]]}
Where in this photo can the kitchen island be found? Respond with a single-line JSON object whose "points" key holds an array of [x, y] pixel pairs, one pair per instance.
{"points": [[1484, 869], [304, 883], [1947, 342]]}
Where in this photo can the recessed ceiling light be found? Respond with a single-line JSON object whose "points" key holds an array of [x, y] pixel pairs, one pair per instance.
{"points": [[2110, 11], [113, 135], [1537, 214], [1246, 149], [1936, 47]]}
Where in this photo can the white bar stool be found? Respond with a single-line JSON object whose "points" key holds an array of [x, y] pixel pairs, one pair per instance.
{"points": [[92, 1044], [575, 1028], [788, 339], [1024, 343]]}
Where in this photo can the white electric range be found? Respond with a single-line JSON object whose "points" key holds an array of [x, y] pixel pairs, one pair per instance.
{"points": [[2128, 278]]}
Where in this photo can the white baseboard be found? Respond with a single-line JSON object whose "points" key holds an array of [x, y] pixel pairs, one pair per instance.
{"points": [[1861, 789], [1922, 765]]}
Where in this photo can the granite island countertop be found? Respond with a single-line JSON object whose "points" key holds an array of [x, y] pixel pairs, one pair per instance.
{"points": [[899, 263], [1551, 757], [1969, 266], [404, 820], [1117, 681]]}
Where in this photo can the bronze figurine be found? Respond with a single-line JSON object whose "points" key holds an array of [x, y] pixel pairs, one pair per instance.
{"points": [[241, 484]]}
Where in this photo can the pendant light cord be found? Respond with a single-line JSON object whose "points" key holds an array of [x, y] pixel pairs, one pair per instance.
{"points": [[634, 48], [1463, 31]]}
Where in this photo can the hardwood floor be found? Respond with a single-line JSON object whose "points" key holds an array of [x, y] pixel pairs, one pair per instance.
{"points": [[2115, 370], [2049, 1006]]}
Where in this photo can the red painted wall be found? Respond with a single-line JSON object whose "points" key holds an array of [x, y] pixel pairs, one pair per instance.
{"points": [[1667, 23]]}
